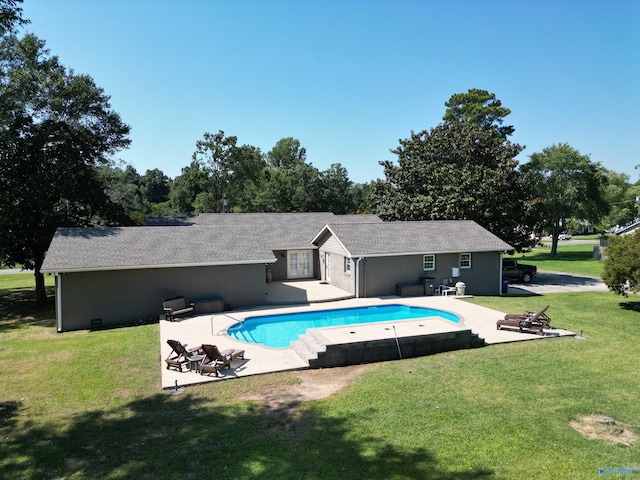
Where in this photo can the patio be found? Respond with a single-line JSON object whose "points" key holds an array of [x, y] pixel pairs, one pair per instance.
{"points": [[211, 329]]}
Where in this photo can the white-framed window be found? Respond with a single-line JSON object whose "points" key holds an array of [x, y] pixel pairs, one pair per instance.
{"points": [[428, 262], [347, 265], [465, 260]]}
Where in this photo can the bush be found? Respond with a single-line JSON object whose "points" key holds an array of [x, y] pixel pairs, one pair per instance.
{"points": [[622, 267]]}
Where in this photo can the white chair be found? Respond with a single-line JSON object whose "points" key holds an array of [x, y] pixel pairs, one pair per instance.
{"points": [[447, 287]]}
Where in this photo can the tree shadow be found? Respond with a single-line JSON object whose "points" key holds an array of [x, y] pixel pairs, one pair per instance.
{"points": [[18, 308], [8, 413], [181, 436], [631, 306]]}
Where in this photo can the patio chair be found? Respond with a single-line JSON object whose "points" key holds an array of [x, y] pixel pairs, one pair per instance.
{"points": [[447, 287], [526, 321], [180, 355], [214, 360]]}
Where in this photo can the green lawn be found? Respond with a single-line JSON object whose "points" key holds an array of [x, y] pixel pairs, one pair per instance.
{"points": [[89, 405], [576, 259]]}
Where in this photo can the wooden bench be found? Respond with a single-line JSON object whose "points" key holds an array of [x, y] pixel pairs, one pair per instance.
{"points": [[176, 306], [409, 289]]}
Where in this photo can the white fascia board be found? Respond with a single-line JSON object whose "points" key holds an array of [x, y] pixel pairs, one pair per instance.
{"points": [[145, 267], [327, 228], [401, 254]]}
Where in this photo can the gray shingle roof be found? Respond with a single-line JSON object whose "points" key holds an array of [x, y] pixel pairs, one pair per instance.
{"points": [[208, 239], [283, 231], [75, 249], [401, 238]]}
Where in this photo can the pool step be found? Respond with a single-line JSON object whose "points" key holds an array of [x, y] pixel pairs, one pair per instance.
{"points": [[308, 346], [477, 341]]}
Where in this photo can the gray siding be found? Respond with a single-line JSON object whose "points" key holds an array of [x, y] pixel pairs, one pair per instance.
{"points": [[119, 297], [331, 245], [381, 274], [339, 278]]}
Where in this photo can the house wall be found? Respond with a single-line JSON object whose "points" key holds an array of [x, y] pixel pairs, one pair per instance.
{"points": [[381, 274], [279, 269], [338, 276], [125, 296]]}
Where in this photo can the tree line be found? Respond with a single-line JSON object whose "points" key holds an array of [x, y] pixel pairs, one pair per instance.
{"points": [[59, 135], [225, 177]]}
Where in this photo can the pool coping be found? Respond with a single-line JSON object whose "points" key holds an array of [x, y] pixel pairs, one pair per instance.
{"points": [[211, 328]]}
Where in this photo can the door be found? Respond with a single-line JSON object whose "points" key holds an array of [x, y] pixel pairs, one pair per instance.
{"points": [[299, 264], [327, 267]]}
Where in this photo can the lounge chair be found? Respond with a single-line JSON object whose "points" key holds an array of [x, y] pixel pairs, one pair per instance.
{"points": [[180, 355], [214, 360], [526, 321]]}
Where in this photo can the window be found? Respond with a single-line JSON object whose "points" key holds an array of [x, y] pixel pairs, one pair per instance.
{"points": [[428, 262], [465, 260], [347, 265]]}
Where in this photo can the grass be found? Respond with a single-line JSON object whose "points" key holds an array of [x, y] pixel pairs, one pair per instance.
{"points": [[85, 405], [575, 259]]}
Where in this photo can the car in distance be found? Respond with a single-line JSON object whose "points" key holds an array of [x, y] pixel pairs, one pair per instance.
{"points": [[564, 236], [518, 272]]}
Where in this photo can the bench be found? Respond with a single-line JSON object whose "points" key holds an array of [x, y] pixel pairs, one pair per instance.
{"points": [[176, 306], [409, 289]]}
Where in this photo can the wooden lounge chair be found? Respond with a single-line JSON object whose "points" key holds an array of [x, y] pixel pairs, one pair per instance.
{"points": [[180, 355], [214, 360], [526, 321]]}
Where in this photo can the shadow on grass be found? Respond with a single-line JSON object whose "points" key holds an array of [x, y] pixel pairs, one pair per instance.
{"points": [[185, 437], [631, 306], [18, 308]]}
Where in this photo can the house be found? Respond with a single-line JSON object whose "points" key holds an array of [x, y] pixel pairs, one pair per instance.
{"points": [[111, 276], [370, 260]]}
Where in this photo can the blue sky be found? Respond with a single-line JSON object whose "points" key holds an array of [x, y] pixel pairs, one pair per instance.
{"points": [[350, 78]]}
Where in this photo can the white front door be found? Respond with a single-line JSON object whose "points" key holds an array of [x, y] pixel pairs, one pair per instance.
{"points": [[299, 264]]}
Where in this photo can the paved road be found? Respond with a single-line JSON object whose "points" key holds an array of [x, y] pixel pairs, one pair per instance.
{"points": [[555, 282], [7, 271]]}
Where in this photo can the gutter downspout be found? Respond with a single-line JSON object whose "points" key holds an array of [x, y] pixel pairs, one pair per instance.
{"points": [[58, 301], [501, 272], [358, 277]]}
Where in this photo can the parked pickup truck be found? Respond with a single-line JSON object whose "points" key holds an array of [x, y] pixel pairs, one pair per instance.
{"points": [[518, 271]]}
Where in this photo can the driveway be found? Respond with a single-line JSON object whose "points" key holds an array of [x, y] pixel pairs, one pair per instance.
{"points": [[556, 282]]}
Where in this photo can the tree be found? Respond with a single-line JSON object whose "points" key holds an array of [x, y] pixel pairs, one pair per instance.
{"points": [[56, 127], [287, 153], [123, 188], [291, 184], [215, 152], [10, 16], [622, 266], [337, 190], [193, 183], [247, 174], [480, 108], [155, 186], [566, 185], [457, 171], [620, 196]]}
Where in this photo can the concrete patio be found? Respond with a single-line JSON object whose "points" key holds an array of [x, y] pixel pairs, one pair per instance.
{"points": [[259, 359]]}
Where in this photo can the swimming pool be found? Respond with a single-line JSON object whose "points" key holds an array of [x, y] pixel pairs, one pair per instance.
{"points": [[278, 331]]}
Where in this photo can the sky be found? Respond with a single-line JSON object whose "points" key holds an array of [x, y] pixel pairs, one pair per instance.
{"points": [[349, 79]]}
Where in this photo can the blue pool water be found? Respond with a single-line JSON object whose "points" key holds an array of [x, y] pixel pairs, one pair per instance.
{"points": [[279, 331]]}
